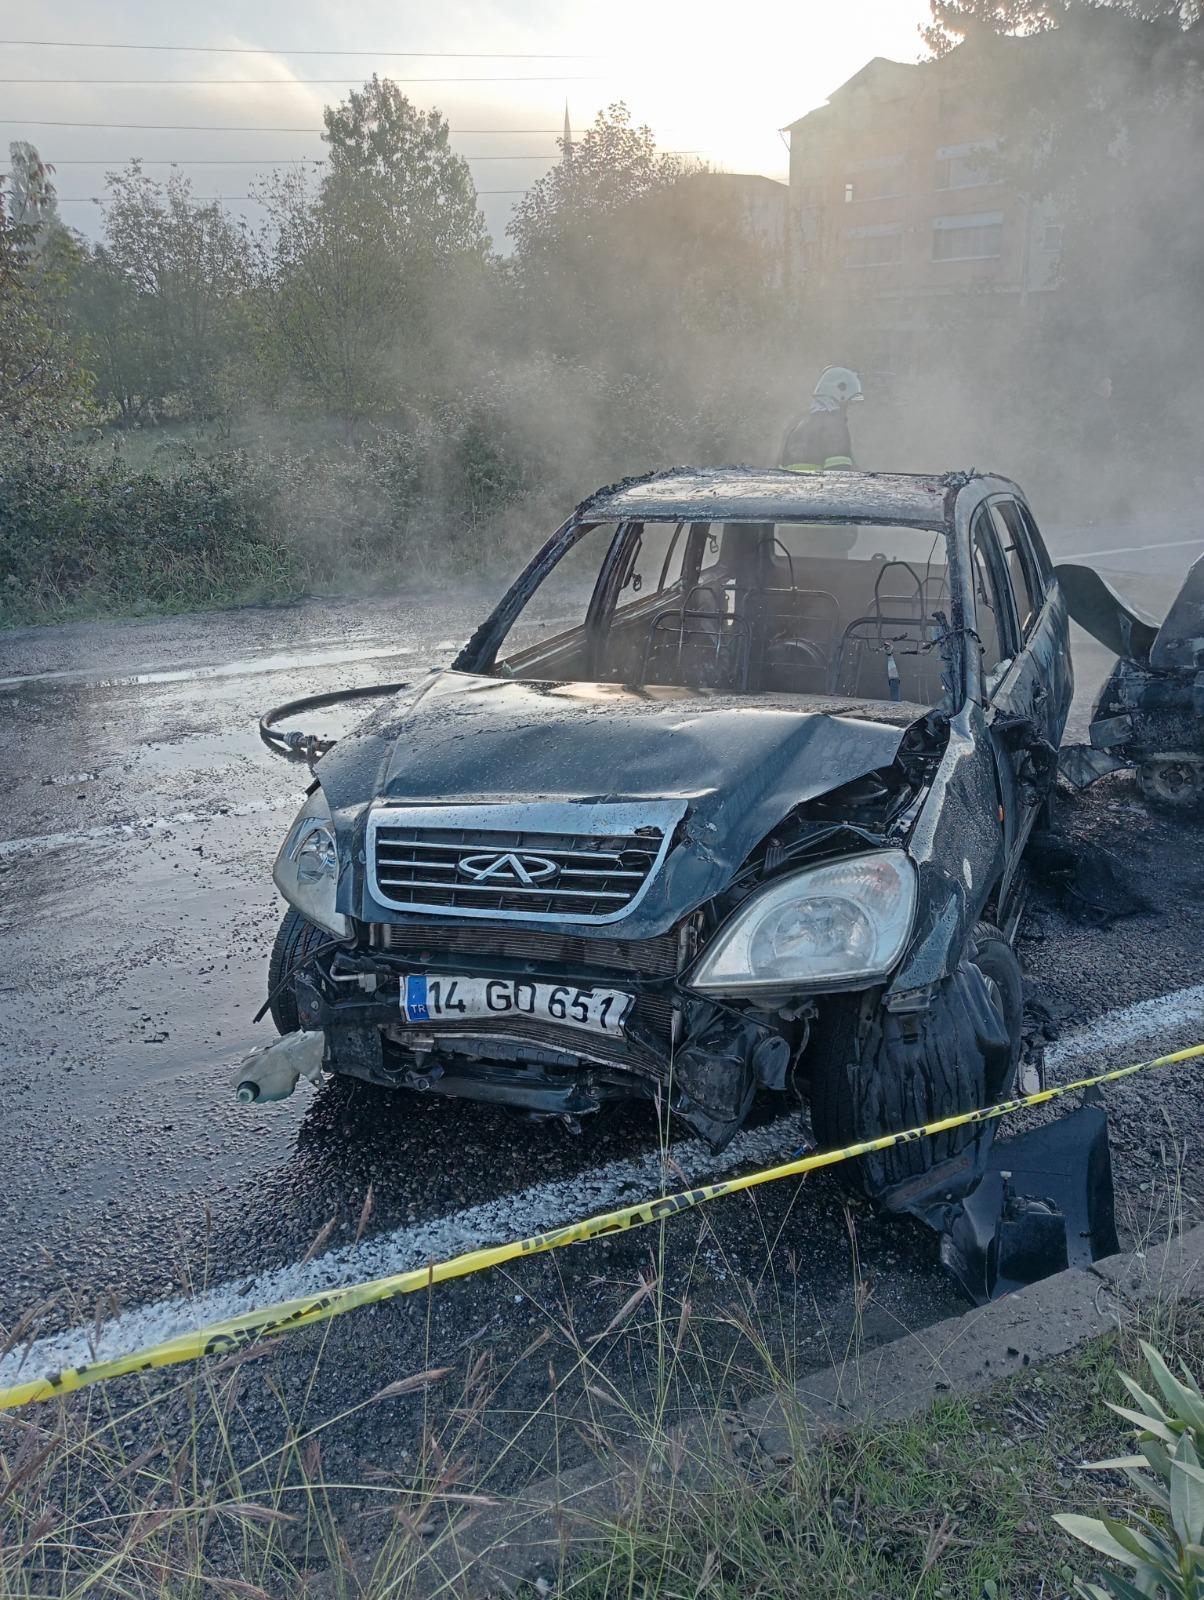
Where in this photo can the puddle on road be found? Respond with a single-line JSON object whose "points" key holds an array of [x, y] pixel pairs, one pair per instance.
{"points": [[252, 666], [143, 827]]}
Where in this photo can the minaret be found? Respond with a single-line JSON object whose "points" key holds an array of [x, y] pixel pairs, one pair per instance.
{"points": [[566, 143]]}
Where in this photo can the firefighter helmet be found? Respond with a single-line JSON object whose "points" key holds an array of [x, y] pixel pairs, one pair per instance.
{"points": [[839, 386]]}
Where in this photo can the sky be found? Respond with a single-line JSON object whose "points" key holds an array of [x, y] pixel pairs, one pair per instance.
{"points": [[716, 80]]}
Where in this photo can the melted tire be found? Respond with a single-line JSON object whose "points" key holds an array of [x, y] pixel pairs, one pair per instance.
{"points": [[295, 939], [876, 1072]]}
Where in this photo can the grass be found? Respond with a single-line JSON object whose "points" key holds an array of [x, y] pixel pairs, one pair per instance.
{"points": [[217, 1483], [957, 1502], [234, 1477]]}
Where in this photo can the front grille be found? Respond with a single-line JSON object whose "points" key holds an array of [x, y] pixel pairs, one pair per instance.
{"points": [[512, 873]]}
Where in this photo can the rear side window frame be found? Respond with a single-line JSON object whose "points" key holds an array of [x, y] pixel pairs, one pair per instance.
{"points": [[1007, 620], [1021, 539]]}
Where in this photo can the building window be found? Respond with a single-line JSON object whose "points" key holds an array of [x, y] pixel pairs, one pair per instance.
{"points": [[966, 166], [874, 247], [969, 238], [876, 183], [876, 178]]}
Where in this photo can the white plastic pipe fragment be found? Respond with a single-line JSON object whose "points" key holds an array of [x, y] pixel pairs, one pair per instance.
{"points": [[271, 1071]]}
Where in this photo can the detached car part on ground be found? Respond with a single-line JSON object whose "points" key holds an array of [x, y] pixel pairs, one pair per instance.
{"points": [[729, 794], [1150, 712]]}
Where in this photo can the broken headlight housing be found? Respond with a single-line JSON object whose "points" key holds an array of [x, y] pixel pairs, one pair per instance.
{"points": [[307, 868], [833, 926]]}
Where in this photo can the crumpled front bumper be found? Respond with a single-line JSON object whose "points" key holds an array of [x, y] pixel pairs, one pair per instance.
{"points": [[705, 1058]]}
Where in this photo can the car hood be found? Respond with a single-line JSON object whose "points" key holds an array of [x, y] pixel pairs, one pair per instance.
{"points": [[737, 765]]}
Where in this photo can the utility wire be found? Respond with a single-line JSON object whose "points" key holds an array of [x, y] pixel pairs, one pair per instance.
{"points": [[281, 83], [286, 161], [217, 199], [262, 50], [218, 127]]}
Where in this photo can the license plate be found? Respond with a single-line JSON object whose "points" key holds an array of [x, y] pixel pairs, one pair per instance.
{"points": [[452, 999]]}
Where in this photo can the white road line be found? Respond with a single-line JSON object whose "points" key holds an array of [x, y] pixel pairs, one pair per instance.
{"points": [[252, 667], [549, 1205], [545, 1205], [142, 828], [1131, 549], [1137, 1027]]}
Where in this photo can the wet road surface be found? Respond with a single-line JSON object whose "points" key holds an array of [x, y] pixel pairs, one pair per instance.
{"points": [[142, 814]]}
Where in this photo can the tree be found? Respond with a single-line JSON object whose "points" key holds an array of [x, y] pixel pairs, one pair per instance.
{"points": [[32, 201], [630, 262], [602, 173], [956, 21], [398, 164], [185, 268], [43, 383], [364, 282], [572, 232], [133, 363]]}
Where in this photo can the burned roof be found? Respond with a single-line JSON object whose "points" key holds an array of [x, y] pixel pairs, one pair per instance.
{"points": [[771, 494]]}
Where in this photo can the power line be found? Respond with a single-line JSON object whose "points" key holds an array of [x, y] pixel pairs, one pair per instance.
{"points": [[262, 50], [279, 83], [287, 161], [218, 127], [217, 199], [250, 161]]}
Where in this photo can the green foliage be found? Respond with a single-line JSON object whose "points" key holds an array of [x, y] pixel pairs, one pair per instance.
{"points": [[363, 281], [165, 308], [31, 198], [630, 262], [465, 481], [956, 21], [609, 167], [398, 163], [44, 384], [1165, 1551]]}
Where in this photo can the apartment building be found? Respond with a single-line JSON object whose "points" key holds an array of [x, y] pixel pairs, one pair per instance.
{"points": [[903, 201]]}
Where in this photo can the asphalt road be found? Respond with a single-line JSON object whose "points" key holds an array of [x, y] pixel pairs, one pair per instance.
{"points": [[142, 814]]}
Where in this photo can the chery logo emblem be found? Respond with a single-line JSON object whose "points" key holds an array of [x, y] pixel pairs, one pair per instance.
{"points": [[508, 870]]}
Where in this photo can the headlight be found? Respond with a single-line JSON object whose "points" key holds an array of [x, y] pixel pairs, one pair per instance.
{"points": [[307, 868], [835, 924]]}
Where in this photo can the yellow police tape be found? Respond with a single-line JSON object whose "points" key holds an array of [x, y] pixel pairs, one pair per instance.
{"points": [[221, 1338]]}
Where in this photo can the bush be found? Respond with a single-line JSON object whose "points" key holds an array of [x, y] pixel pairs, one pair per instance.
{"points": [[1165, 1556], [470, 482]]}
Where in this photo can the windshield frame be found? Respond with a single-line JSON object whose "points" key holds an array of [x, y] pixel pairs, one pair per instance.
{"points": [[480, 653]]}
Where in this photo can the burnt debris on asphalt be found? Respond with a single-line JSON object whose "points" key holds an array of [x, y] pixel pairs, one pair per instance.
{"points": [[1150, 712]]}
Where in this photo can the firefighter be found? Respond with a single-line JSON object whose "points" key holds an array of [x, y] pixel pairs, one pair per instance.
{"points": [[820, 441]]}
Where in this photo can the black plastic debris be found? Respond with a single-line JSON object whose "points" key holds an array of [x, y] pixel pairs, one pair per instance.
{"points": [[1045, 1203], [1090, 881]]}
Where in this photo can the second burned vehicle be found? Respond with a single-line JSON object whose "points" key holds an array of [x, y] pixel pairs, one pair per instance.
{"points": [[712, 803]]}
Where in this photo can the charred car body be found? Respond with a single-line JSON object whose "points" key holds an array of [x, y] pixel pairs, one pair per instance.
{"points": [[711, 803], [1150, 712]]}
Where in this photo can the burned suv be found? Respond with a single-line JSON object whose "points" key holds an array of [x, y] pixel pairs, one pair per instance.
{"points": [[729, 794]]}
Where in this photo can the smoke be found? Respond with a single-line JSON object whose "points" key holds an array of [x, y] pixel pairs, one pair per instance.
{"points": [[1084, 378]]}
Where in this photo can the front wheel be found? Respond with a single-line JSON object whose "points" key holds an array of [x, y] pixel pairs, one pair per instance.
{"points": [[876, 1071], [296, 939]]}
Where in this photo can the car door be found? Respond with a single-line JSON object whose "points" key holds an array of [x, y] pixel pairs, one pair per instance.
{"points": [[1013, 689], [1041, 612]]}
